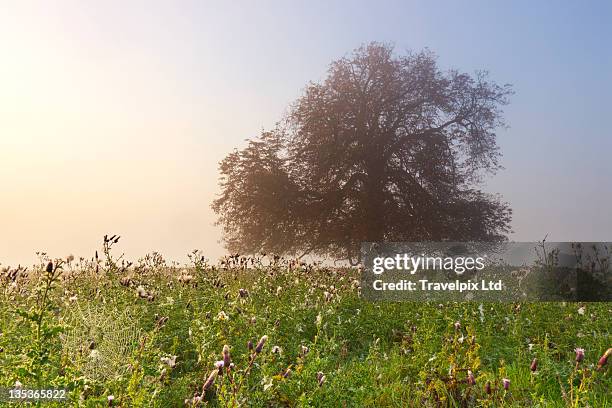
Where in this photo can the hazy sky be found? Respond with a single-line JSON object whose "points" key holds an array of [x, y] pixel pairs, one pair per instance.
{"points": [[115, 114]]}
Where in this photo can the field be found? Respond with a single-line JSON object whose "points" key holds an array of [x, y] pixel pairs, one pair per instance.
{"points": [[153, 334]]}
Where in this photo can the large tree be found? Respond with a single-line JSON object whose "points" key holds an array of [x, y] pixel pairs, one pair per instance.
{"points": [[386, 148]]}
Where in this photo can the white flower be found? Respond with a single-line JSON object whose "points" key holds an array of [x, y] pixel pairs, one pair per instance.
{"points": [[581, 310], [169, 361], [110, 398], [222, 316]]}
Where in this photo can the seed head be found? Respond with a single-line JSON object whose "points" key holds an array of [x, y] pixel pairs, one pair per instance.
{"points": [[227, 360], [209, 381], [261, 344], [604, 359], [579, 354]]}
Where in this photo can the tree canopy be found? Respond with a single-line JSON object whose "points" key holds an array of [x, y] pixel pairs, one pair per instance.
{"points": [[385, 148]]}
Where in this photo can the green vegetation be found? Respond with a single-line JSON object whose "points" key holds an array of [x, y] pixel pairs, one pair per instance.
{"points": [[153, 335]]}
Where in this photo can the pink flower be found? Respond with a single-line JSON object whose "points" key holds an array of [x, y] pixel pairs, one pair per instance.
{"points": [[506, 383], [534, 365], [579, 354]]}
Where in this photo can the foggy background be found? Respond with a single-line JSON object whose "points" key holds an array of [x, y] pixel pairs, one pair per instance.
{"points": [[114, 115]]}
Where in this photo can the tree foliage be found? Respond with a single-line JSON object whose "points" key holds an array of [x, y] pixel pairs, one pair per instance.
{"points": [[386, 148]]}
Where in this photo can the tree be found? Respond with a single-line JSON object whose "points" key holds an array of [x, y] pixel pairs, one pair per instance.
{"points": [[386, 148]]}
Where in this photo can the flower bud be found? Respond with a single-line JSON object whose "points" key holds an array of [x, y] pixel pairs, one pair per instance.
{"points": [[579, 354], [226, 356], [506, 383], [604, 359], [534, 365], [209, 381], [261, 344]]}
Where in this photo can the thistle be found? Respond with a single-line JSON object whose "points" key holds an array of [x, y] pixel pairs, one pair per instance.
{"points": [[209, 381], [261, 344], [227, 360], [604, 359], [579, 354]]}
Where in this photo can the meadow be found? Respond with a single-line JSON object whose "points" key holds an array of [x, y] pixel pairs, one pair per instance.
{"points": [[266, 331]]}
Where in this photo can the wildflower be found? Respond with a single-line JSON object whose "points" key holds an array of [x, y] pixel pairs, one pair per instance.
{"points": [[261, 344], [534, 365], [457, 325], [250, 345], [209, 381], [604, 359], [488, 387], [169, 361], [243, 293], [226, 356], [320, 378], [276, 350], [581, 310], [287, 373], [219, 364], [579, 354], [110, 400], [304, 350], [222, 316], [18, 384], [506, 383], [470, 378]]}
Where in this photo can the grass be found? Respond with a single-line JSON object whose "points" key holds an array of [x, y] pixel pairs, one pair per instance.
{"points": [[152, 335]]}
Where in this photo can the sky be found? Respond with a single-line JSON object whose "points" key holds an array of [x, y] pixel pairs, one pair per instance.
{"points": [[114, 115]]}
